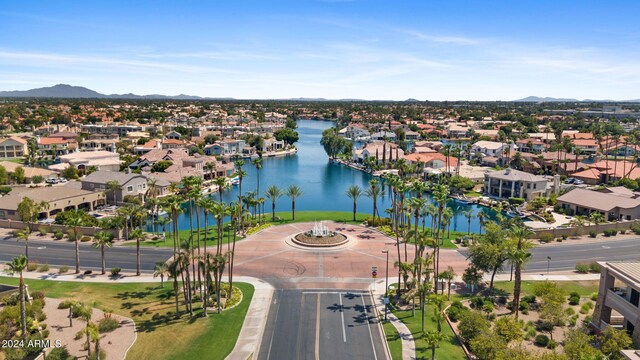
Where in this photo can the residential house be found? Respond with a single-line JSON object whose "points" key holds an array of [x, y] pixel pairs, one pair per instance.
{"points": [[383, 135], [174, 135], [586, 146], [273, 145], [492, 148], [29, 172], [99, 159], [618, 302], [173, 144], [615, 203], [56, 145], [13, 147], [153, 156], [433, 162], [514, 183], [410, 135], [98, 145], [129, 185], [531, 145], [153, 144], [355, 131], [380, 150], [228, 147]]}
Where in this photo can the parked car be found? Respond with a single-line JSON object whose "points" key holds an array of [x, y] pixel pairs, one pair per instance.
{"points": [[578, 182], [52, 180], [570, 181]]}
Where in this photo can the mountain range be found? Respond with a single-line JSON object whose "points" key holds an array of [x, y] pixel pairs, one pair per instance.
{"points": [[64, 91]]}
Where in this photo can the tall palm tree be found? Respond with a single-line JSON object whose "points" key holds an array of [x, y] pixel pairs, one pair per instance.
{"points": [[223, 184], [173, 205], [518, 255], [433, 339], [373, 192], [257, 162], [138, 235], [354, 192], [440, 193], [161, 270], [469, 215], [75, 222], [174, 272], [273, 193], [240, 173], [293, 192], [448, 275], [23, 235], [18, 265], [481, 215], [103, 240]]}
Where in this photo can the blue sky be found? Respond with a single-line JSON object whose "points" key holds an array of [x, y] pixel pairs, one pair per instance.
{"points": [[435, 50]]}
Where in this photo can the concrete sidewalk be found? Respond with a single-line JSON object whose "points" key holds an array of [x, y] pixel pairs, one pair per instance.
{"points": [[408, 344], [551, 277], [250, 338]]}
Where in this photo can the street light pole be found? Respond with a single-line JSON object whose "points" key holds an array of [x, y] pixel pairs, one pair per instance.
{"points": [[386, 284], [548, 264]]}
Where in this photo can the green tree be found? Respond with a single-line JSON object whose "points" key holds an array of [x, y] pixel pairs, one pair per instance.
{"points": [[374, 192], [508, 329], [273, 192], [138, 235], [448, 276], [102, 240], [433, 339], [612, 341], [487, 346], [4, 177], [161, 165], [490, 252], [472, 324], [597, 218], [354, 192], [37, 179], [70, 173], [19, 175], [18, 265], [577, 346], [293, 192], [289, 136], [519, 255], [161, 270], [459, 184]]}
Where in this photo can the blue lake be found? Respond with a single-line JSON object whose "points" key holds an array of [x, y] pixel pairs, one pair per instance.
{"points": [[323, 183]]}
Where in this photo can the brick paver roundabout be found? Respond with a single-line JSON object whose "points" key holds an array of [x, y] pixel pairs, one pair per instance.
{"points": [[270, 255]]}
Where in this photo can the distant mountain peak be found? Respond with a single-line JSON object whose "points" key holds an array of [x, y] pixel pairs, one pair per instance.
{"points": [[545, 99]]}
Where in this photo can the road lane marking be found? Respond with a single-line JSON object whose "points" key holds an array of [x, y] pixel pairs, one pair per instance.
{"points": [[366, 313], [318, 329], [344, 331], [274, 331]]}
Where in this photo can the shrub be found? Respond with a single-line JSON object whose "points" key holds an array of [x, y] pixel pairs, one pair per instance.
{"points": [[33, 266], [38, 295], [593, 234], [43, 268], [516, 201], [472, 324], [531, 333], [43, 230], [582, 268], [559, 239], [551, 345], [60, 353], [569, 311], [542, 340], [574, 300], [524, 307], [115, 272], [610, 232], [635, 227], [546, 237], [594, 267], [58, 235], [63, 269], [85, 239], [594, 296], [107, 324], [378, 222], [565, 237], [584, 309], [529, 299]]}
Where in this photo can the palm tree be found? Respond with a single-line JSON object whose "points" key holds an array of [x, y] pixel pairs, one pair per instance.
{"points": [[597, 218], [112, 187], [293, 192], [173, 205], [448, 275], [481, 216], [518, 255], [373, 192], [433, 339], [23, 235], [163, 221], [174, 271], [223, 184], [240, 173], [76, 221], [273, 193], [354, 192], [103, 240], [18, 265], [258, 164], [161, 269], [138, 235], [85, 312], [469, 215]]}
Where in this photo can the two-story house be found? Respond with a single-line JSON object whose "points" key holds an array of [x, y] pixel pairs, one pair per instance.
{"points": [[514, 183], [128, 185], [12, 147]]}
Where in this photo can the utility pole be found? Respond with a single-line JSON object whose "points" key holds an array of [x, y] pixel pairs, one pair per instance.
{"points": [[386, 285]]}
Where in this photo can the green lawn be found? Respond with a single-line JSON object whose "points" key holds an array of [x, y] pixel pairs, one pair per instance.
{"points": [[393, 340], [282, 218], [152, 309], [449, 237], [449, 348], [584, 288]]}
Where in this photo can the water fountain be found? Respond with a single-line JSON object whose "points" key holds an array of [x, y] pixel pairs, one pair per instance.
{"points": [[320, 236]]}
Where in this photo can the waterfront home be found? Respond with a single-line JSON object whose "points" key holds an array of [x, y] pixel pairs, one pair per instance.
{"points": [[618, 302], [56, 145], [100, 160], [63, 198], [531, 145], [492, 148], [457, 131], [587, 146], [355, 131], [410, 135], [382, 151], [229, 147], [615, 203], [153, 156], [13, 147], [433, 161], [129, 185], [273, 145], [383, 135], [514, 183]]}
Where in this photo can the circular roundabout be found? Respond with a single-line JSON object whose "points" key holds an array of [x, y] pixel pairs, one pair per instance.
{"points": [[320, 237]]}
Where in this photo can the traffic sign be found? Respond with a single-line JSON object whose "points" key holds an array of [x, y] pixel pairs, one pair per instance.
{"points": [[374, 274]]}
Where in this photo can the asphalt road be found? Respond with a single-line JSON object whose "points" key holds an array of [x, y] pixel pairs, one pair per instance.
{"points": [[321, 324], [565, 256], [62, 252]]}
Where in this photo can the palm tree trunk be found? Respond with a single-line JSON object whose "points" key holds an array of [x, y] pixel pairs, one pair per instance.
{"points": [[75, 234], [23, 310], [103, 262], [293, 209], [516, 290], [354, 210], [137, 256]]}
